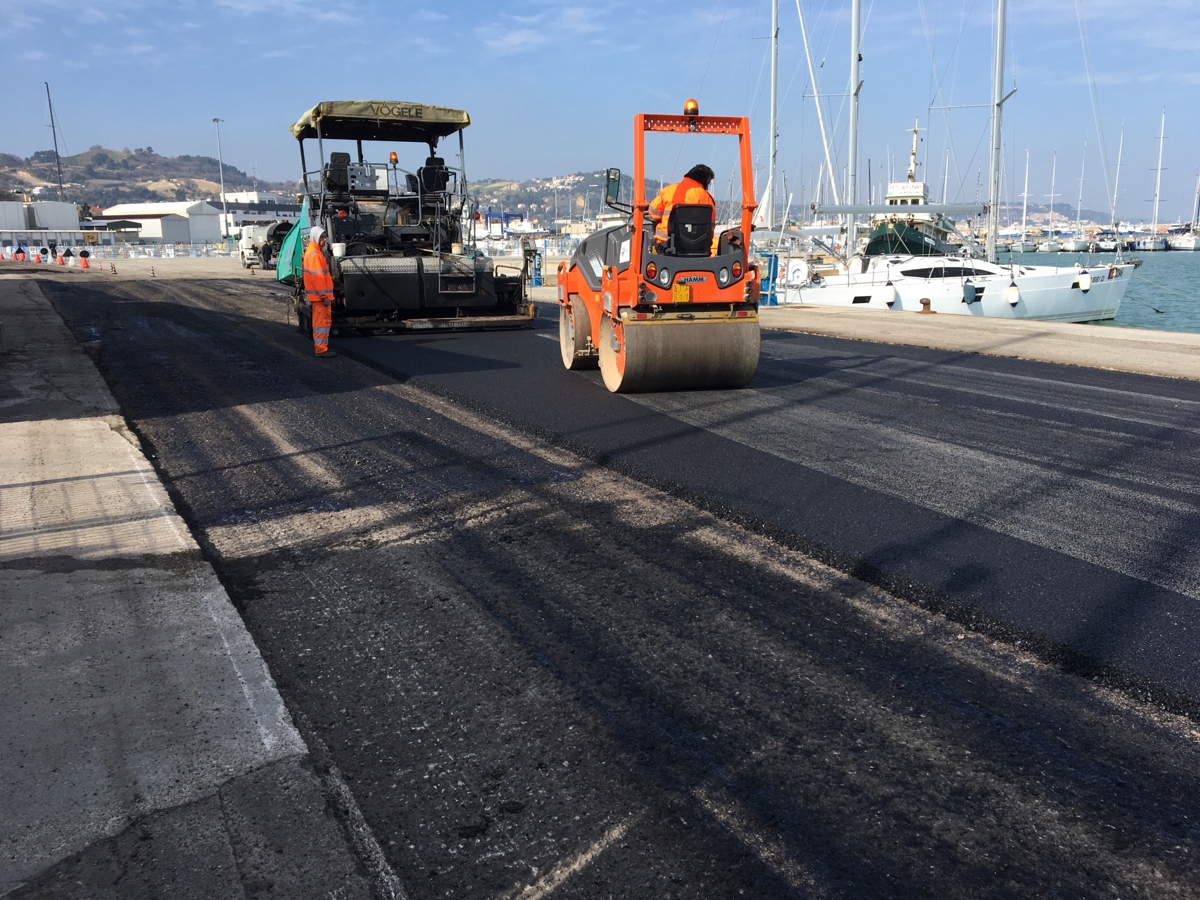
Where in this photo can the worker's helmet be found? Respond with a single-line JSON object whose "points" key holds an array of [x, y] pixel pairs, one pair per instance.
{"points": [[691, 108]]}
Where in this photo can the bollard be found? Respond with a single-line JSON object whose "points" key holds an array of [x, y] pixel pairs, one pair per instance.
{"points": [[925, 307]]}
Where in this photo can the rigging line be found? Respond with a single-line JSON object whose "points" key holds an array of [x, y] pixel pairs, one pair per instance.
{"points": [[939, 92], [1167, 289], [1093, 94], [716, 38]]}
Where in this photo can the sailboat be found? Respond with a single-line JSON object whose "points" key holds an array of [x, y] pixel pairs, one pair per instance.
{"points": [[968, 282], [1153, 242], [1189, 240], [1024, 245], [1078, 243], [1050, 245]]}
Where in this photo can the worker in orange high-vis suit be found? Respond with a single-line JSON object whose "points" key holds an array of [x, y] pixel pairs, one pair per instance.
{"points": [[318, 287], [692, 189]]}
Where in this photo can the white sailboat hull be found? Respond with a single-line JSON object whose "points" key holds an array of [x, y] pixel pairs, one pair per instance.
{"points": [[1049, 247], [1024, 247], [1075, 245], [1043, 293], [1149, 245], [1184, 242]]}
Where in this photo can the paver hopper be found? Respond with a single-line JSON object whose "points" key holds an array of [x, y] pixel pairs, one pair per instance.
{"points": [[654, 317]]}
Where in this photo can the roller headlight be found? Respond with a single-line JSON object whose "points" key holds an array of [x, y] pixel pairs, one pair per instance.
{"points": [[723, 277], [664, 277]]}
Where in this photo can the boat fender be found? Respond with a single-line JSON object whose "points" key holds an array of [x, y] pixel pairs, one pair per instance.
{"points": [[1085, 281], [969, 294], [889, 294], [1012, 294]]}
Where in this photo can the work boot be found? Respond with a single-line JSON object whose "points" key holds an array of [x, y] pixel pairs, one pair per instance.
{"points": [[327, 354]]}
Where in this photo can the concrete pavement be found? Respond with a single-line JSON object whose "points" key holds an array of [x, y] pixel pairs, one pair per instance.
{"points": [[145, 750], [1171, 354]]}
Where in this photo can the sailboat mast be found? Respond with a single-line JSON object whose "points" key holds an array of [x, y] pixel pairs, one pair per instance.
{"points": [[1025, 196], [54, 133], [1117, 180], [993, 222], [1053, 173], [1158, 178], [1079, 208], [770, 194], [1196, 205], [855, 85]]}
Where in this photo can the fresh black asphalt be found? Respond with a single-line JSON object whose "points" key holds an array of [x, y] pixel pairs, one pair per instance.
{"points": [[1081, 613]]}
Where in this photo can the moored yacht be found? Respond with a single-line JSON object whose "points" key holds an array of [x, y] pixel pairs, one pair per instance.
{"points": [[910, 263]]}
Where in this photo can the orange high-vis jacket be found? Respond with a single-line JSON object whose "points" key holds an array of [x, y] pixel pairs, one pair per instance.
{"points": [[318, 283], [686, 191]]}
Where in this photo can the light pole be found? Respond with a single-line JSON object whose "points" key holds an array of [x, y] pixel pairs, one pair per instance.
{"points": [[221, 166]]}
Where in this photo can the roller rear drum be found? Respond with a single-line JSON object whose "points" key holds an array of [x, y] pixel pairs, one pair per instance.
{"points": [[677, 355]]}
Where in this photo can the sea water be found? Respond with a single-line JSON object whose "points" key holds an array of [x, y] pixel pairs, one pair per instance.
{"points": [[1163, 293]]}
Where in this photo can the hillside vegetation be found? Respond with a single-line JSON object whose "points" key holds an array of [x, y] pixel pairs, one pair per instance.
{"points": [[104, 177]]}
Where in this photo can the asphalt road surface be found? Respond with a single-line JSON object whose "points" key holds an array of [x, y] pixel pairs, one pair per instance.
{"points": [[561, 643]]}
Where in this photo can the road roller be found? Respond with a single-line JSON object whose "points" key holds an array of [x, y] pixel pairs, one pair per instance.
{"points": [[674, 315]]}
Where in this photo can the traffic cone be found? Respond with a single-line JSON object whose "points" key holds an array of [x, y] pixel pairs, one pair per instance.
{"points": [[61, 261], [114, 268], [152, 271], [83, 263]]}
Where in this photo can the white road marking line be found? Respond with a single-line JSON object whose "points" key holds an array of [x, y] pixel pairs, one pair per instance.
{"points": [[549, 337], [557, 876]]}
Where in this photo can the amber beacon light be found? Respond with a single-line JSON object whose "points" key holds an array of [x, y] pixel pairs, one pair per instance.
{"points": [[691, 108]]}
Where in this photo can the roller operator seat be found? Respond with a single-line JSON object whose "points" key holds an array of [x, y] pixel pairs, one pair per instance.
{"points": [[690, 230]]}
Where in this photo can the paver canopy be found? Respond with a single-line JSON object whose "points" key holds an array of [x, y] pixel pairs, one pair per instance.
{"points": [[380, 120]]}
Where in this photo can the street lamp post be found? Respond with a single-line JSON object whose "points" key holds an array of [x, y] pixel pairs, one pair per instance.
{"points": [[221, 166]]}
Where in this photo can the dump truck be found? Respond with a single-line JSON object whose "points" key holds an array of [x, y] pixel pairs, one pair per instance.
{"points": [[399, 238], [676, 316]]}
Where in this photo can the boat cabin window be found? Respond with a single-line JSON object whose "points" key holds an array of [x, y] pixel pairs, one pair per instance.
{"points": [[945, 272]]}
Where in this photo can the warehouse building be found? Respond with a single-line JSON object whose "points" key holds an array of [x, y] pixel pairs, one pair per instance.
{"points": [[189, 222], [39, 224]]}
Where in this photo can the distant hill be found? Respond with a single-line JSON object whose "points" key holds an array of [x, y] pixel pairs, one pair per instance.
{"points": [[544, 199], [103, 177]]}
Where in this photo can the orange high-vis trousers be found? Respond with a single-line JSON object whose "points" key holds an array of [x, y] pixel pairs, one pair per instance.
{"points": [[322, 319]]}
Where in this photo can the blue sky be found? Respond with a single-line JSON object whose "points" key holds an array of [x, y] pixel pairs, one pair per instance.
{"points": [[552, 86]]}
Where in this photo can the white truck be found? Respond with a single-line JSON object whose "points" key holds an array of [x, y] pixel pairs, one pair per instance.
{"points": [[250, 244]]}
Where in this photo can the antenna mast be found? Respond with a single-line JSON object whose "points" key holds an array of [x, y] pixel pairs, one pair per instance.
{"points": [[54, 133]]}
